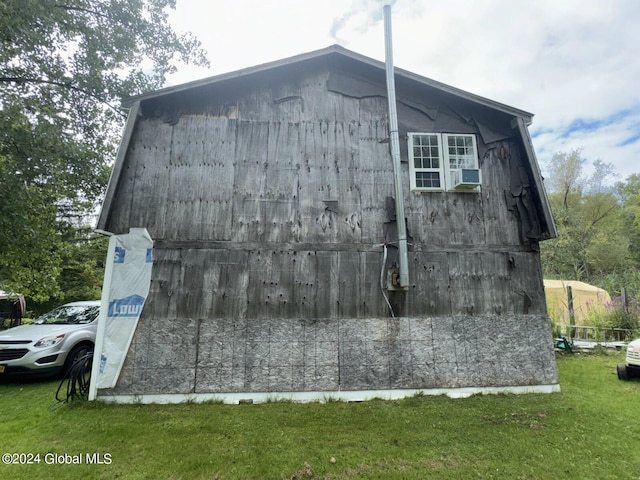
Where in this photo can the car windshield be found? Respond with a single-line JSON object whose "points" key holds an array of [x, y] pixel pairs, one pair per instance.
{"points": [[69, 315]]}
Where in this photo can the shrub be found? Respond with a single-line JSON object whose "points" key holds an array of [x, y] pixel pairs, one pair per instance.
{"points": [[617, 316]]}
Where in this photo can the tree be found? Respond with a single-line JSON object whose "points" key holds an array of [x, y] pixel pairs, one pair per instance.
{"points": [[83, 259], [629, 193], [588, 217], [64, 66], [565, 177], [617, 249]]}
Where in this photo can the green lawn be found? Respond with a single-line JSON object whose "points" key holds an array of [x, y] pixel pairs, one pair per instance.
{"points": [[591, 430]]}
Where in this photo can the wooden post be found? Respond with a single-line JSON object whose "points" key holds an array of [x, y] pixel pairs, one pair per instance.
{"points": [[625, 300], [572, 313]]}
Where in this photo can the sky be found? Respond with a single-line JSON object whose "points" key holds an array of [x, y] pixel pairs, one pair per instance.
{"points": [[574, 64]]}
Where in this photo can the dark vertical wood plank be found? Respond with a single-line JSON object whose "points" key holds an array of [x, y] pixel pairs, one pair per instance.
{"points": [[184, 181], [430, 292], [217, 176], [375, 175], [249, 190], [147, 162], [281, 182], [166, 276]]}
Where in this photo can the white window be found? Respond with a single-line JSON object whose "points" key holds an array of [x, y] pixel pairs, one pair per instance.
{"points": [[443, 161]]}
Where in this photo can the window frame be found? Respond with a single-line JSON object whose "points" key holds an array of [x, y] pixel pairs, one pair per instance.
{"points": [[415, 170], [444, 170]]}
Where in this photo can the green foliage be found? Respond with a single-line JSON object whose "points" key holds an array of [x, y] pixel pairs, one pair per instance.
{"points": [[629, 193], [594, 222], [599, 235], [81, 272], [565, 177], [575, 434], [64, 66], [613, 283], [618, 315], [30, 258]]}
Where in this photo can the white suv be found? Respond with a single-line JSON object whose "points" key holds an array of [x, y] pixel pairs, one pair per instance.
{"points": [[631, 366], [52, 343]]}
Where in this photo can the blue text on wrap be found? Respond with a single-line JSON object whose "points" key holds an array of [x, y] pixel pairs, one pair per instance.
{"points": [[130, 306]]}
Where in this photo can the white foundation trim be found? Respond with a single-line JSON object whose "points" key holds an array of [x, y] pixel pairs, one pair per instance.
{"points": [[343, 396]]}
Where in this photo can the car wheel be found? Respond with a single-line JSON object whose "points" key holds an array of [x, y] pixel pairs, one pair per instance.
{"points": [[76, 354], [622, 372]]}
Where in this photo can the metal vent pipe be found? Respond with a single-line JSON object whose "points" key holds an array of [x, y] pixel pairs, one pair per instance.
{"points": [[395, 150]]}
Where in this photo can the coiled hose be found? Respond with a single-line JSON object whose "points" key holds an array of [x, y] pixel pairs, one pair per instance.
{"points": [[77, 379]]}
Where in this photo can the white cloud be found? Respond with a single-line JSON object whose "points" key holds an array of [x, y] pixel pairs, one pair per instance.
{"points": [[573, 63]]}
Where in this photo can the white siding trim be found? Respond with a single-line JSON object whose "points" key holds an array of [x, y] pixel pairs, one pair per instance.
{"points": [[322, 397]]}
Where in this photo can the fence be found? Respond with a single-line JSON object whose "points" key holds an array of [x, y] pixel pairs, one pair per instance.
{"points": [[596, 334]]}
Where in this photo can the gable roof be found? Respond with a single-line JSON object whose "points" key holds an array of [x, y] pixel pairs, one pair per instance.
{"points": [[331, 52]]}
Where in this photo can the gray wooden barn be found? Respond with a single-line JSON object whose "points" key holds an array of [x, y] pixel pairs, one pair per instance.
{"points": [[269, 195]]}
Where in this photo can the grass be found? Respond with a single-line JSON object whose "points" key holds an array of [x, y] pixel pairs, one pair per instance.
{"points": [[588, 431]]}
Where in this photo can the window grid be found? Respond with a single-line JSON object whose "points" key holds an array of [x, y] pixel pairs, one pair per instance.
{"points": [[426, 162], [426, 153], [436, 157], [461, 152], [428, 179]]}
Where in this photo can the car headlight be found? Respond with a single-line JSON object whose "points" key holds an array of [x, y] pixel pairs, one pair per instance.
{"points": [[630, 348], [49, 341]]}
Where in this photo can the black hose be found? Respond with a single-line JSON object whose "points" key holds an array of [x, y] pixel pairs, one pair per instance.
{"points": [[77, 378]]}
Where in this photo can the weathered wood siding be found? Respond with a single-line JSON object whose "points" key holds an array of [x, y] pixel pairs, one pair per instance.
{"points": [[289, 188], [267, 208]]}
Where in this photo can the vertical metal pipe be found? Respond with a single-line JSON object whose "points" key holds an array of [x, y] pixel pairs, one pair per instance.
{"points": [[395, 150]]}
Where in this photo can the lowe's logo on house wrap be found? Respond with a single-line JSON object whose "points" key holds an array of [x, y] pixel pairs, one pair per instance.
{"points": [[119, 255], [130, 306], [121, 252], [103, 363]]}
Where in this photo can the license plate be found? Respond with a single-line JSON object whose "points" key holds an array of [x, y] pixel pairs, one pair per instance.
{"points": [[2, 368]]}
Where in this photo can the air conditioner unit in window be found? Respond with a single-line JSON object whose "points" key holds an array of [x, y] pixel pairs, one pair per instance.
{"points": [[467, 179]]}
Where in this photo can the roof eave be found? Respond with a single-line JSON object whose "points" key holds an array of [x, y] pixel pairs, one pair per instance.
{"points": [[520, 126], [114, 179]]}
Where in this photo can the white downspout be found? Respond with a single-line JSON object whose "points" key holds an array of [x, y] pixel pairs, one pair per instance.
{"points": [[395, 151]]}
